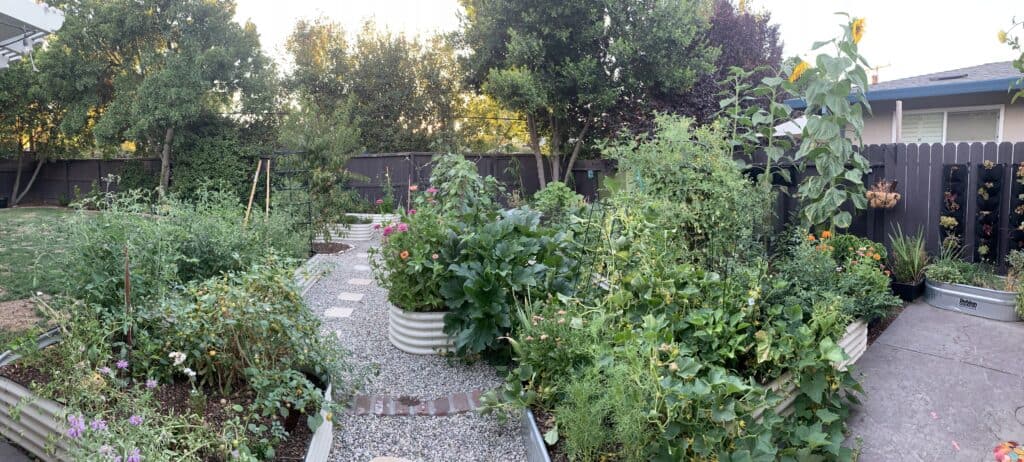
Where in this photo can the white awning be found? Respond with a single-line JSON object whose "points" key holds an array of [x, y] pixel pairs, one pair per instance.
{"points": [[23, 25]]}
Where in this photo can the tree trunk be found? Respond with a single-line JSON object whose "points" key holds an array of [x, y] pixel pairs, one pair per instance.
{"points": [[531, 125], [17, 177], [17, 198], [575, 152], [165, 162]]}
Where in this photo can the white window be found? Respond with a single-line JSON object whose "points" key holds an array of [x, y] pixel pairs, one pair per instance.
{"points": [[952, 125]]}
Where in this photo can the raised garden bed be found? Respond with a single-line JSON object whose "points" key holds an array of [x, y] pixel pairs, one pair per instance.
{"points": [[854, 342], [418, 333], [976, 301], [359, 231]]}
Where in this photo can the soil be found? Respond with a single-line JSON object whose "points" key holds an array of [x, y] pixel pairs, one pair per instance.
{"points": [[330, 247], [545, 422], [875, 329], [18, 315], [174, 399]]}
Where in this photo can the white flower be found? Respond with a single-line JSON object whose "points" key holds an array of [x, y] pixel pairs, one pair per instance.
{"points": [[178, 357], [189, 372], [750, 301]]}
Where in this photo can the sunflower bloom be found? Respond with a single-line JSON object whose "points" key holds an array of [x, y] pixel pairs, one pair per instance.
{"points": [[857, 29], [1002, 36], [799, 70]]}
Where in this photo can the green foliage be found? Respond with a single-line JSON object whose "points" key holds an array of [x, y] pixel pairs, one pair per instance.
{"points": [[1013, 42], [956, 271], [833, 125], [493, 267], [216, 160], [909, 256], [556, 202], [166, 244], [410, 263], [461, 192], [135, 176], [688, 174]]}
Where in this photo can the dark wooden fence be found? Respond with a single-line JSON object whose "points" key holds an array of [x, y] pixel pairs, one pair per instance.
{"points": [[58, 179], [919, 170]]}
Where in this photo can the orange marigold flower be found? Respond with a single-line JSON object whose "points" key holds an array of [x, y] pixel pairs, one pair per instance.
{"points": [[799, 70], [810, 237], [876, 257], [826, 234], [404, 255], [857, 29]]}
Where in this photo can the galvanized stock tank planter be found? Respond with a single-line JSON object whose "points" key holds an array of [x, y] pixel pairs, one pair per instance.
{"points": [[976, 301]]}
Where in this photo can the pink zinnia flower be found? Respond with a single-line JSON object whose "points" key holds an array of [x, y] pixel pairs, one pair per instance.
{"points": [[412, 211], [402, 227], [376, 226], [432, 190], [388, 230], [380, 201], [414, 188]]}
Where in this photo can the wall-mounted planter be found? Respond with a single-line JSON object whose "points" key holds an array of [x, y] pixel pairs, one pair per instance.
{"points": [[854, 342], [987, 303], [418, 333], [40, 426]]}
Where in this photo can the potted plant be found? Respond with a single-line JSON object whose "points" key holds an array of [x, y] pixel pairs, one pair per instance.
{"points": [[883, 195], [410, 265], [907, 263]]}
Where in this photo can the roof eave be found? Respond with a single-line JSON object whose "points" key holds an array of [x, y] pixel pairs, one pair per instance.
{"points": [[949, 89]]}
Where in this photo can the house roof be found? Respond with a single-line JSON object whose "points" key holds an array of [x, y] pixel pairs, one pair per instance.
{"points": [[983, 78], [23, 25]]}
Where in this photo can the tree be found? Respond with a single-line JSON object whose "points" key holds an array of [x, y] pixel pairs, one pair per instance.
{"points": [[142, 70], [565, 63], [403, 95]]}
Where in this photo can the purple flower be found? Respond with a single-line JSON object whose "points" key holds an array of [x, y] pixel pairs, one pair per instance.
{"points": [[388, 230], [402, 227], [76, 426], [104, 370], [376, 226], [412, 211], [134, 456], [151, 384], [98, 424], [122, 364], [135, 420]]}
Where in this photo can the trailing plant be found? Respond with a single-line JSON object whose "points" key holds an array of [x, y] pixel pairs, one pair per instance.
{"points": [[832, 125]]}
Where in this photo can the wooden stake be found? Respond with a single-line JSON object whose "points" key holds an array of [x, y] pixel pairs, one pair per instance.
{"points": [[267, 211], [252, 193]]}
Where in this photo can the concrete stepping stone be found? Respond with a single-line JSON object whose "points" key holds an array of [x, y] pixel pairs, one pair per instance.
{"points": [[363, 255], [350, 297], [337, 312], [360, 282]]}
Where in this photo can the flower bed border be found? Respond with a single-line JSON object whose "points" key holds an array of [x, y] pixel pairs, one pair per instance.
{"points": [[854, 342]]}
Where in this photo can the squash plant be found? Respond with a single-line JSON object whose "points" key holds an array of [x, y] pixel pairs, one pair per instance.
{"points": [[833, 125]]}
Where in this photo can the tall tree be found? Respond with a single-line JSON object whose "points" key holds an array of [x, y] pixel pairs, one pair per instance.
{"points": [[143, 69], [565, 63]]}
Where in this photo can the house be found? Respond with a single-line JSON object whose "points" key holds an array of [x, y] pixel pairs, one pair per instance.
{"points": [[23, 25], [960, 105]]}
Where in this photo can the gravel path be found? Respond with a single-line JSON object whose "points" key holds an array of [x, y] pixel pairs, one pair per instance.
{"points": [[469, 437]]}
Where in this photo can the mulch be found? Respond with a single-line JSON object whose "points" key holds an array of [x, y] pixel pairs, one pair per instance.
{"points": [[545, 422], [330, 247], [876, 328], [18, 315]]}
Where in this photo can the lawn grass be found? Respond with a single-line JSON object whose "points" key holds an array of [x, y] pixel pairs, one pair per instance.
{"points": [[30, 246]]}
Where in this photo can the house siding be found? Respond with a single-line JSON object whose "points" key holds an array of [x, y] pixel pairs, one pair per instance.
{"points": [[878, 126]]}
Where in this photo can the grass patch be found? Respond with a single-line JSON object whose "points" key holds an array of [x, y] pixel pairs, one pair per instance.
{"points": [[30, 247]]}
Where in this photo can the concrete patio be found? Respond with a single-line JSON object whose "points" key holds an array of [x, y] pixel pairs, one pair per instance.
{"points": [[940, 385]]}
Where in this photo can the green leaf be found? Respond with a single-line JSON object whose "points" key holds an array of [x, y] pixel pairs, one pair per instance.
{"points": [[814, 386], [842, 219], [826, 416], [314, 421], [551, 436], [830, 351], [724, 413]]}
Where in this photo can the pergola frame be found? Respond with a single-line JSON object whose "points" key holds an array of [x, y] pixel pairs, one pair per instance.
{"points": [[23, 25]]}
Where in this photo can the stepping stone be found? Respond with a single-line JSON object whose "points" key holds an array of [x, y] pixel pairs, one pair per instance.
{"points": [[350, 297], [361, 268], [360, 282], [336, 312]]}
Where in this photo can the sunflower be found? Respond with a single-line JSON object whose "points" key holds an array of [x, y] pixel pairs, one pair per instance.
{"points": [[857, 29], [1002, 36], [799, 70]]}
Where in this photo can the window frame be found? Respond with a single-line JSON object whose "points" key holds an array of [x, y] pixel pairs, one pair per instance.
{"points": [[945, 120]]}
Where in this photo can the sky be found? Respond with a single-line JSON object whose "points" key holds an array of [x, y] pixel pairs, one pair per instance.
{"points": [[904, 37]]}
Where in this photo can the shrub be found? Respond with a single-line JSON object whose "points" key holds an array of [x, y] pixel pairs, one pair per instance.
{"points": [[411, 262], [556, 201]]}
